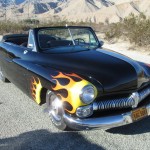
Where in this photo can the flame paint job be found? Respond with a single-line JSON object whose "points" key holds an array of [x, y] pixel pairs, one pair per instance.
{"points": [[36, 88], [73, 88]]}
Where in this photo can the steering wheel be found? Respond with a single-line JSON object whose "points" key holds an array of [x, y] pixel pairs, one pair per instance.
{"points": [[78, 40]]}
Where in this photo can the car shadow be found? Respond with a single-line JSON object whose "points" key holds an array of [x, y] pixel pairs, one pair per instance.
{"points": [[140, 127], [45, 140]]}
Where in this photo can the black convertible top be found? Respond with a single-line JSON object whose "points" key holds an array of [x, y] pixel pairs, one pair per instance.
{"points": [[9, 36], [15, 38]]}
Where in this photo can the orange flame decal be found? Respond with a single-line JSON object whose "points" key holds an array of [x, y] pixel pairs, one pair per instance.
{"points": [[36, 89], [73, 88], [67, 76]]}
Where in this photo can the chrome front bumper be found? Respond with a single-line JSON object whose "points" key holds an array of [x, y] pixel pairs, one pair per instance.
{"points": [[102, 122]]}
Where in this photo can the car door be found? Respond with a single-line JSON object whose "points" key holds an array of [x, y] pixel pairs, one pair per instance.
{"points": [[18, 58], [15, 72]]}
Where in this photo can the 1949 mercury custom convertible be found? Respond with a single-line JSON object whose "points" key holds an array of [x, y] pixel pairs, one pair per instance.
{"points": [[83, 85]]}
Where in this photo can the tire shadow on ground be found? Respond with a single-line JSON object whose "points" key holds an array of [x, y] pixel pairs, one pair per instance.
{"points": [[140, 127], [45, 140]]}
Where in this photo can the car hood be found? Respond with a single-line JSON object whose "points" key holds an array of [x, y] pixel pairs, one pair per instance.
{"points": [[115, 72]]}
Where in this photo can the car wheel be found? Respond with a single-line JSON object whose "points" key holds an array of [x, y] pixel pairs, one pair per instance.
{"points": [[55, 110], [2, 77]]}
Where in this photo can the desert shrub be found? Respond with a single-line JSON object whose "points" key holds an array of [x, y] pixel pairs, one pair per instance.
{"points": [[31, 21], [12, 27], [114, 31], [25, 25], [134, 28]]}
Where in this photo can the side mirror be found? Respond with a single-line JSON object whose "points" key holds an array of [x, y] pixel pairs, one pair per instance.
{"points": [[101, 43]]}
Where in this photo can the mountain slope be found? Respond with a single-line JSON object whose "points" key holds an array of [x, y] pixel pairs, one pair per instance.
{"points": [[73, 10], [41, 6], [80, 6], [113, 13]]}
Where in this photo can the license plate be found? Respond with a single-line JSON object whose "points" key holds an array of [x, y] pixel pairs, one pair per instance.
{"points": [[138, 114]]}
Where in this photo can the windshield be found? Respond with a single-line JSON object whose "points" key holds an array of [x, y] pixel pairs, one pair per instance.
{"points": [[61, 37]]}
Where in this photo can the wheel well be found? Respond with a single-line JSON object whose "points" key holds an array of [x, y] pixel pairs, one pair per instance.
{"points": [[43, 95]]}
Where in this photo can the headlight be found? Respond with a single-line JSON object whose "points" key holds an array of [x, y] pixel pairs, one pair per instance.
{"points": [[88, 94]]}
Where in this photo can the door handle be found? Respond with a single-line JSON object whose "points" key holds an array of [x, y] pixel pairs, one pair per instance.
{"points": [[25, 52]]}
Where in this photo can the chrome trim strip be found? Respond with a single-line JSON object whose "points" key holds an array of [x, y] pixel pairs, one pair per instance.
{"points": [[144, 93], [102, 122]]}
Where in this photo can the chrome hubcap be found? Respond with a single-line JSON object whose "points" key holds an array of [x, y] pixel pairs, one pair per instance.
{"points": [[55, 109]]}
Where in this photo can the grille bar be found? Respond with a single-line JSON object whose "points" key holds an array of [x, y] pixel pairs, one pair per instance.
{"points": [[125, 102]]}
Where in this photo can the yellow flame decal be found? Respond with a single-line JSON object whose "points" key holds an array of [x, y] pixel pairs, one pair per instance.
{"points": [[36, 88], [74, 89]]}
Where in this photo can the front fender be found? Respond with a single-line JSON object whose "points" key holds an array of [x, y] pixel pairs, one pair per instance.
{"points": [[67, 86]]}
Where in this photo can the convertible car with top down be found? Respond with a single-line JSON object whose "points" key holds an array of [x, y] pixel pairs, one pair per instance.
{"points": [[82, 85]]}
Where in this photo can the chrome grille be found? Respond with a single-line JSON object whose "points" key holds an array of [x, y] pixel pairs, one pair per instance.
{"points": [[125, 102]]}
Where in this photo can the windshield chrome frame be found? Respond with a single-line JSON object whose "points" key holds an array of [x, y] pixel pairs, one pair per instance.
{"points": [[67, 27]]}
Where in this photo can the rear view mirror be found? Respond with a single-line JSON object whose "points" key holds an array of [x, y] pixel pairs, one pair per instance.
{"points": [[101, 43]]}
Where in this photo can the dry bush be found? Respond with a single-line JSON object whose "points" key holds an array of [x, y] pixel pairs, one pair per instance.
{"points": [[134, 28], [25, 25], [114, 31], [11, 27]]}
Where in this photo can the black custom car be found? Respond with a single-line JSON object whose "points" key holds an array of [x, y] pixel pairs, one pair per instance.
{"points": [[83, 85]]}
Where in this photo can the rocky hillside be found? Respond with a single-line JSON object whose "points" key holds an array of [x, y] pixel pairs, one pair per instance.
{"points": [[73, 10]]}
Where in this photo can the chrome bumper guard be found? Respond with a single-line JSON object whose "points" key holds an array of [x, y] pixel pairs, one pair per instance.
{"points": [[102, 122]]}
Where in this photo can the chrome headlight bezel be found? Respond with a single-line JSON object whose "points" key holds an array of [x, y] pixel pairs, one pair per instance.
{"points": [[84, 111], [84, 97]]}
